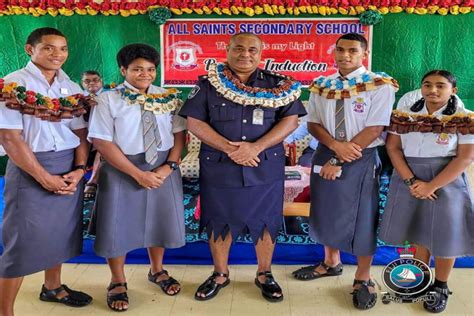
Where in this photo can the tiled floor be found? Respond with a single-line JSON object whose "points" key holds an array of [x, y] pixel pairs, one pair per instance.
{"points": [[326, 296]]}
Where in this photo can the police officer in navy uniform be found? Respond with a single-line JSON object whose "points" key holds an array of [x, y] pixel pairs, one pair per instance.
{"points": [[242, 157]]}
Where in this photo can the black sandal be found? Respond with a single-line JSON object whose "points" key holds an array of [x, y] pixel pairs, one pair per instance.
{"points": [[440, 301], [210, 287], [270, 287], [361, 297], [164, 284], [308, 273], [115, 297], [73, 299]]}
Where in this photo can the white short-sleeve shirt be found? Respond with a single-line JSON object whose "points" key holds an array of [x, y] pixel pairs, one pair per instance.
{"points": [[40, 135], [369, 108], [426, 145], [116, 121]]}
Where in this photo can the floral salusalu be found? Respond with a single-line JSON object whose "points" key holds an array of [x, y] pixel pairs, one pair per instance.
{"points": [[404, 122], [231, 88], [339, 89], [43, 107]]}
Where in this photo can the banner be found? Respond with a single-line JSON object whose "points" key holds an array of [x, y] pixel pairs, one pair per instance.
{"points": [[300, 48]]}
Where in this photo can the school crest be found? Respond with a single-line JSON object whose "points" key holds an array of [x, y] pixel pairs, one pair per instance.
{"points": [[184, 53], [359, 105], [443, 139]]}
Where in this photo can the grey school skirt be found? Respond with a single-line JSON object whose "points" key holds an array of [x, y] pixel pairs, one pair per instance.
{"points": [[40, 229], [444, 226], [130, 216], [344, 212]]}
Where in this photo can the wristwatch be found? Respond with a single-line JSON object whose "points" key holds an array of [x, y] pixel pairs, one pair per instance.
{"points": [[335, 162], [82, 167], [410, 181], [173, 164]]}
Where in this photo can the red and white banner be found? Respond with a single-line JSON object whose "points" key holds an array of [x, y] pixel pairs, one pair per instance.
{"points": [[301, 48]]}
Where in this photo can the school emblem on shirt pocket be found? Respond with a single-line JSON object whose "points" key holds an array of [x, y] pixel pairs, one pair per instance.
{"points": [[359, 105], [443, 139]]}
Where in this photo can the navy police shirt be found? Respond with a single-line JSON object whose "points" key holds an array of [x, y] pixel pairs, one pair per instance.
{"points": [[234, 122]]}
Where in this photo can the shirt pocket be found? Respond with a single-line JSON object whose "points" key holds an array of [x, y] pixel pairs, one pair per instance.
{"points": [[270, 114], [221, 112], [275, 154]]}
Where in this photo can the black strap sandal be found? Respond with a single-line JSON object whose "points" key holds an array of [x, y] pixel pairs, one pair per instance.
{"points": [[308, 273], [361, 297], [117, 297], [210, 287], [440, 301], [73, 299], [164, 284], [270, 287]]}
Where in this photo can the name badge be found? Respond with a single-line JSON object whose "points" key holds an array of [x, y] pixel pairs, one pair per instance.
{"points": [[64, 91], [257, 117]]}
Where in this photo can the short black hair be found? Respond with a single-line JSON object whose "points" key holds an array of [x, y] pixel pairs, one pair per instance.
{"points": [[90, 72], [129, 53], [355, 37], [35, 36]]}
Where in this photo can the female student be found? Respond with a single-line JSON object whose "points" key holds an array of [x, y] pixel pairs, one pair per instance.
{"points": [[140, 200], [429, 201]]}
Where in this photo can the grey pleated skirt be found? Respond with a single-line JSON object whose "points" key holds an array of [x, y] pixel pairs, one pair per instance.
{"points": [[344, 212], [131, 217], [40, 229], [444, 226]]}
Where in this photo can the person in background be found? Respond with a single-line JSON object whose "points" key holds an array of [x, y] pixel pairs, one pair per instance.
{"points": [[92, 84], [298, 134]]}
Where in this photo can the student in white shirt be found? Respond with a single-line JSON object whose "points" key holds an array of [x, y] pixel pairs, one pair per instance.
{"points": [[42, 223], [140, 198], [344, 208], [429, 200], [92, 84]]}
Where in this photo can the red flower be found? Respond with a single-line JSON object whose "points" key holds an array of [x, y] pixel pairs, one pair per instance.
{"points": [[30, 99], [94, 5], [56, 104], [2, 82]]}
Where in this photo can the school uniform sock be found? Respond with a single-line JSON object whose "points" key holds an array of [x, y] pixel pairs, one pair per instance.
{"points": [[440, 284]]}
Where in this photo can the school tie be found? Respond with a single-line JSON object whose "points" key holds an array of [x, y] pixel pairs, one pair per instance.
{"points": [[151, 136], [340, 119]]}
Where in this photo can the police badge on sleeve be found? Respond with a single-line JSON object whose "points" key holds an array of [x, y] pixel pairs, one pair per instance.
{"points": [[407, 279]]}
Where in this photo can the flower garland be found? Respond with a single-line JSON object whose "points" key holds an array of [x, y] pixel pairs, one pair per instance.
{"points": [[157, 103], [345, 89], [221, 78], [127, 8], [403, 123], [43, 107]]}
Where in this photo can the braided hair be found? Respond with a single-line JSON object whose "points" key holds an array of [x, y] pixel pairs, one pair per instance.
{"points": [[452, 102]]}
